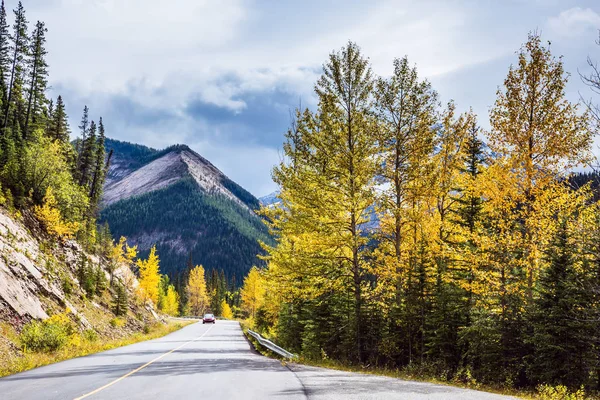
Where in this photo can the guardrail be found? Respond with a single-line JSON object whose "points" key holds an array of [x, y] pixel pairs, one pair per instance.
{"points": [[271, 346]]}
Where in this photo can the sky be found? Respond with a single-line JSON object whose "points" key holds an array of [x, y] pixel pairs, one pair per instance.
{"points": [[224, 76]]}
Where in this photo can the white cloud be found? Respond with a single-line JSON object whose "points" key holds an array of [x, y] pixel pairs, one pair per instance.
{"points": [[574, 22], [160, 54]]}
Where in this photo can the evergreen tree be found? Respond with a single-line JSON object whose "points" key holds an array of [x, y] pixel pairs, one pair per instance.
{"points": [[88, 157], [4, 55], [99, 172], [19, 50], [563, 353], [59, 127], [38, 78], [120, 302], [49, 117], [84, 127]]}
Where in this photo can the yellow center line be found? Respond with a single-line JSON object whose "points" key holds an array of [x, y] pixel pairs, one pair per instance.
{"points": [[140, 368]]}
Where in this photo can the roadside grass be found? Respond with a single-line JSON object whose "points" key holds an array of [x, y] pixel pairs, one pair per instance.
{"points": [[79, 345], [542, 393]]}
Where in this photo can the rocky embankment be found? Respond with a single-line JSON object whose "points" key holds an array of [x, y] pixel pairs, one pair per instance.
{"points": [[38, 278]]}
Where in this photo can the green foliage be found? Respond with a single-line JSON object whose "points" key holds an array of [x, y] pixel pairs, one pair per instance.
{"points": [[90, 335], [120, 300], [119, 323], [562, 325], [48, 335]]}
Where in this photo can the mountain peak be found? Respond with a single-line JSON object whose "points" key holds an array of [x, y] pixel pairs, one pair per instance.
{"points": [[179, 201], [137, 170]]}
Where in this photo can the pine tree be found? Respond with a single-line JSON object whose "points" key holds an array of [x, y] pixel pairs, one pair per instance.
{"points": [[59, 127], [82, 269], [84, 127], [563, 353], [120, 304], [19, 50], [88, 157], [99, 171], [38, 78], [100, 280], [49, 117], [4, 55]]}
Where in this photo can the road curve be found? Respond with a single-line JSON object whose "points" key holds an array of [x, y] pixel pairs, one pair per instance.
{"points": [[207, 362]]}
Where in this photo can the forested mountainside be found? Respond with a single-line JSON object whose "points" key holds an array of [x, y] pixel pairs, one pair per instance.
{"points": [[178, 200]]}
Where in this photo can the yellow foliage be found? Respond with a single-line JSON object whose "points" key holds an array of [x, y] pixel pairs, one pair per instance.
{"points": [[171, 302], [253, 292], [226, 310], [149, 277], [49, 215], [196, 291]]}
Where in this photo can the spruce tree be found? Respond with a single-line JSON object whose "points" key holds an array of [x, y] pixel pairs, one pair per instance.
{"points": [[84, 127], [4, 54], [99, 172], [88, 157], [49, 116], [120, 304], [59, 128], [38, 77], [19, 50], [562, 352]]}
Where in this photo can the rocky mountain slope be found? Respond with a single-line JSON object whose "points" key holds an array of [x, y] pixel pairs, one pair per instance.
{"points": [[39, 278], [178, 200]]}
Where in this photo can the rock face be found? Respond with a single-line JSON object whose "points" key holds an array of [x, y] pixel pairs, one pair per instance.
{"points": [[177, 164], [180, 202], [21, 278], [38, 278], [24, 272]]}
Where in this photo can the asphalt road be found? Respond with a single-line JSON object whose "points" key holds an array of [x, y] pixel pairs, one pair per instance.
{"points": [[207, 362]]}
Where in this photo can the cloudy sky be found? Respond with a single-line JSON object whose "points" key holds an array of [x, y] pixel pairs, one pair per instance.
{"points": [[222, 76]]}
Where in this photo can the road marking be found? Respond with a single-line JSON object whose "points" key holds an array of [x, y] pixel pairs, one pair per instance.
{"points": [[140, 368]]}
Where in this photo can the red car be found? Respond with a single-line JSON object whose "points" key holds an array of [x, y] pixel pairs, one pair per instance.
{"points": [[209, 319]]}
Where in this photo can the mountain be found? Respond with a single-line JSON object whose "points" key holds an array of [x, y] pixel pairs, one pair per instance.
{"points": [[178, 200], [270, 199]]}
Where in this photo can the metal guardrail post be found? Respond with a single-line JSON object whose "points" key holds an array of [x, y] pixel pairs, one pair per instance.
{"points": [[271, 346]]}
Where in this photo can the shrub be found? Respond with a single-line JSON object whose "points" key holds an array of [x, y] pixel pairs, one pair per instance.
{"points": [[46, 336], [90, 335], [67, 284], [548, 392], [117, 322]]}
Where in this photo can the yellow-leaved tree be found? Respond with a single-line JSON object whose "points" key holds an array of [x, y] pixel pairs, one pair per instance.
{"points": [[170, 303], [541, 134], [149, 277], [120, 253], [253, 292], [226, 310], [196, 290], [50, 216]]}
